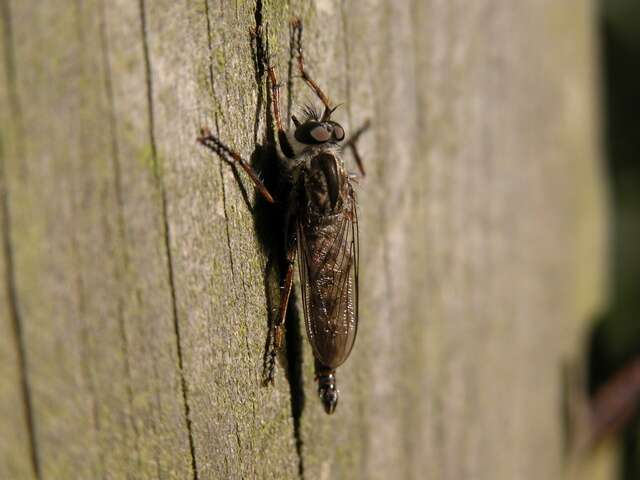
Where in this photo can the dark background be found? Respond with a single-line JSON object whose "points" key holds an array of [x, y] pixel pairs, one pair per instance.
{"points": [[616, 335]]}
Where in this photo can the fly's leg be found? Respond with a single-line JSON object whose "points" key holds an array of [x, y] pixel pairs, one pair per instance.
{"points": [[277, 331], [285, 147], [275, 97], [278, 328], [355, 136], [351, 145], [213, 143], [296, 26]]}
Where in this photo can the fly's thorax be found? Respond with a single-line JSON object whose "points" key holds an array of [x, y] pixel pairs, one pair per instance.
{"points": [[295, 156], [325, 182], [297, 147]]}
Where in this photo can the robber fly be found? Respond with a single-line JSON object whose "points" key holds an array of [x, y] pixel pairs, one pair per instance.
{"points": [[321, 226]]}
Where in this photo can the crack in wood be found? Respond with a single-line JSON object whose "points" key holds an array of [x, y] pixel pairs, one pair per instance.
{"points": [[167, 240]]}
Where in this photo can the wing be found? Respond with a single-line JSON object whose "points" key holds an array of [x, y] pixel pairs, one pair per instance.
{"points": [[328, 261]]}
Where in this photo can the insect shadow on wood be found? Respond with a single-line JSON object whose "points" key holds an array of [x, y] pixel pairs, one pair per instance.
{"points": [[314, 220], [269, 217]]}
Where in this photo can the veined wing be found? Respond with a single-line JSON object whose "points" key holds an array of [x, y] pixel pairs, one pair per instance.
{"points": [[328, 263]]}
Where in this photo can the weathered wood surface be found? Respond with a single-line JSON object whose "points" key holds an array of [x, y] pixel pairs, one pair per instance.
{"points": [[134, 315]]}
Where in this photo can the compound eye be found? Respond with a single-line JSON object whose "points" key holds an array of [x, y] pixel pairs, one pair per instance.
{"points": [[320, 134], [338, 132]]}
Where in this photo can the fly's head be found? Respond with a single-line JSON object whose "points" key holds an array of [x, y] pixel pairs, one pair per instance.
{"points": [[314, 132], [329, 395], [317, 129]]}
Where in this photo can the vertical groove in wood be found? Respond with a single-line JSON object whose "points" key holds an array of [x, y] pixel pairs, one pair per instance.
{"points": [[158, 411], [167, 239]]}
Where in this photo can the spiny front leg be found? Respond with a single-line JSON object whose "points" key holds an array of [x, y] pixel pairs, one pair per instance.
{"points": [[285, 146], [296, 26], [275, 98], [207, 139]]}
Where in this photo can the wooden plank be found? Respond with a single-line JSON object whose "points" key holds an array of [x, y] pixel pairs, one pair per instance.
{"points": [[143, 264]]}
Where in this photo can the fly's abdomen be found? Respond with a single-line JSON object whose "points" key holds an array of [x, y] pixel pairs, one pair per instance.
{"points": [[328, 273]]}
